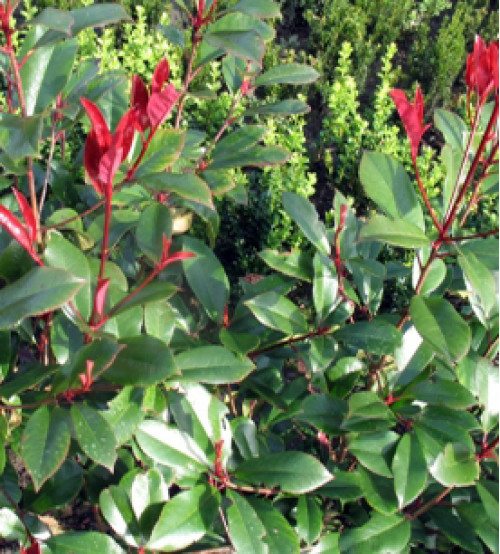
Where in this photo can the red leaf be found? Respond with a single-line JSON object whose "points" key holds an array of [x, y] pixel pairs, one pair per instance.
{"points": [[482, 68], [100, 298], [28, 215], [160, 76], [91, 159], [412, 116], [139, 103], [16, 229], [99, 125], [161, 104]]}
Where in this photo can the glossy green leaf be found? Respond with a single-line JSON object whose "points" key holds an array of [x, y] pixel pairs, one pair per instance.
{"points": [[374, 450], [185, 519], [457, 530], [279, 537], [329, 544], [409, 469], [239, 343], [121, 222], [94, 435], [239, 140], [151, 293], [397, 232], [185, 185], [367, 412], [116, 508], [45, 443], [324, 412], [154, 225], [378, 491], [475, 516], [376, 336], [159, 320], [258, 8], [485, 250], [440, 325], [28, 379], [443, 392], [124, 413], [243, 44], [206, 277], [277, 312], [11, 527], [455, 466], [148, 489], [145, 360], [245, 437], [41, 290], [309, 519], [290, 73], [220, 181], [283, 108], [83, 542], [344, 486], [488, 492], [20, 136], [325, 286], [255, 156], [388, 185], [293, 472], [170, 446], [63, 254], [52, 18], [45, 74], [163, 150], [295, 263], [454, 130], [171, 33], [379, 535], [212, 364], [306, 217], [245, 528]]}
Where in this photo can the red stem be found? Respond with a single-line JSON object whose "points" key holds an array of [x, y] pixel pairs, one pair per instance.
{"points": [[425, 198], [108, 212]]}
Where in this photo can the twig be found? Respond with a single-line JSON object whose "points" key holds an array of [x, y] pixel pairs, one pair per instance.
{"points": [[430, 504]]}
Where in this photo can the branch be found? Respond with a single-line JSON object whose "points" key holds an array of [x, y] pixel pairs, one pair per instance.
{"points": [[430, 504]]}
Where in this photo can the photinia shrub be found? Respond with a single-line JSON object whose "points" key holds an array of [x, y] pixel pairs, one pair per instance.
{"points": [[299, 416]]}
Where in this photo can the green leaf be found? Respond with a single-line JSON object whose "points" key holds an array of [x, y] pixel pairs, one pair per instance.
{"points": [[185, 185], [212, 364], [488, 492], [163, 150], [324, 412], [277, 312], [325, 286], [485, 250], [245, 528], [453, 128], [171, 33], [443, 392], [293, 472], [457, 530], [61, 253], [41, 290], [367, 412], [20, 136], [154, 225], [147, 489], [258, 8], [329, 544], [376, 336], [285, 108], [239, 343], [11, 527], [245, 436], [381, 534], [45, 443], [256, 156], [434, 276], [240, 140], [378, 491], [373, 451], [290, 73], [151, 293], [124, 413], [309, 519], [116, 508], [206, 277], [28, 379], [185, 519], [159, 321], [279, 537], [439, 324], [45, 74], [170, 446], [94, 435], [145, 360], [306, 217], [243, 44], [219, 181], [295, 263], [473, 514], [455, 466], [388, 185], [409, 469], [344, 486], [55, 19], [397, 232], [83, 542]]}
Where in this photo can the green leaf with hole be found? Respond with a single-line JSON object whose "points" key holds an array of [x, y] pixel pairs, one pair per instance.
{"points": [[293, 472], [43, 289], [289, 73], [206, 277], [306, 217], [397, 232], [185, 519], [45, 443], [277, 312], [439, 325], [409, 469], [94, 435], [212, 364]]}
